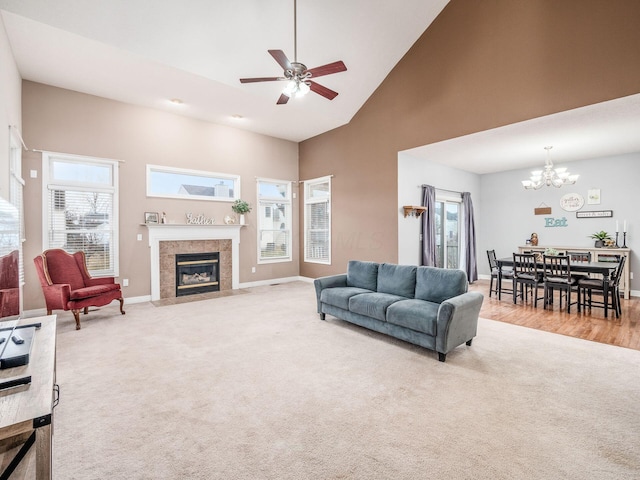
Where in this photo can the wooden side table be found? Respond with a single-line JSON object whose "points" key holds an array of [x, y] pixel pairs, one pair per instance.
{"points": [[27, 409]]}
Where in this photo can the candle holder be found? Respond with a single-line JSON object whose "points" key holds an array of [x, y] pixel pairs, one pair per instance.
{"points": [[624, 239], [617, 246]]}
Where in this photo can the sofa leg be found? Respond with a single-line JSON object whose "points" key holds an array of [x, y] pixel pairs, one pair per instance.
{"points": [[469, 342], [442, 356], [76, 314], [121, 305], [322, 316]]}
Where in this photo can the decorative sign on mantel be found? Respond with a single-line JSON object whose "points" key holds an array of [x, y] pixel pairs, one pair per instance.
{"points": [[199, 219], [595, 214]]}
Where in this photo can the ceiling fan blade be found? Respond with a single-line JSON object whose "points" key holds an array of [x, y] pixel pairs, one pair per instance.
{"points": [[281, 58], [321, 90], [328, 69], [282, 100], [261, 79]]}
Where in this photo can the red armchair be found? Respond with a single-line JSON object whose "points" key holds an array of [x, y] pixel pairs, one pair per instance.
{"points": [[67, 285]]}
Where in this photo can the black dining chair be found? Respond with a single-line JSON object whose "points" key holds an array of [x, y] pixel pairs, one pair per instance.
{"points": [[526, 276], [557, 276], [507, 274], [589, 286], [579, 257]]}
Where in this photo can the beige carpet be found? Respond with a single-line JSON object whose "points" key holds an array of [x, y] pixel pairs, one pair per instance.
{"points": [[255, 386]]}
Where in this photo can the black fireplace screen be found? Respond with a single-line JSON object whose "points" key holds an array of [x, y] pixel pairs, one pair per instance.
{"points": [[197, 273]]}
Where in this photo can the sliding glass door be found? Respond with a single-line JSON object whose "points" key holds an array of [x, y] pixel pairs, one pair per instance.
{"points": [[447, 233]]}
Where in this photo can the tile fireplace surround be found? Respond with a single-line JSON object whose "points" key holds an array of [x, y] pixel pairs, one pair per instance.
{"points": [[184, 239]]}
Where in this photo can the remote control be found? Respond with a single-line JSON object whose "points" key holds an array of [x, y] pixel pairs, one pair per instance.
{"points": [[17, 339]]}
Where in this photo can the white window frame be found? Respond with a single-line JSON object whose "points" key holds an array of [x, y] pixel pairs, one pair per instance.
{"points": [[49, 183], [308, 201], [207, 178], [447, 198], [269, 201], [16, 198]]}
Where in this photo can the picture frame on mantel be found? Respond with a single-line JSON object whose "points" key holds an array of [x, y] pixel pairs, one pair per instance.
{"points": [[151, 218]]}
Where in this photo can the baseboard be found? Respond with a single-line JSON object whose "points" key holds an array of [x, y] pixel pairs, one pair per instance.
{"points": [[274, 281], [140, 299]]}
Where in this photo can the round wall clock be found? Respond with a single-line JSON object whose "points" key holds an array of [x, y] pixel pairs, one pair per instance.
{"points": [[571, 202]]}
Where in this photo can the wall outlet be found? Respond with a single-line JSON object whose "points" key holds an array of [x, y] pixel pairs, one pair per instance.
{"points": [[125, 282], [33, 173], [139, 237], [631, 275], [253, 269]]}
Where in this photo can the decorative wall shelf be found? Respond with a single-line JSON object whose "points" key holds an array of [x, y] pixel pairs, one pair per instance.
{"points": [[413, 211]]}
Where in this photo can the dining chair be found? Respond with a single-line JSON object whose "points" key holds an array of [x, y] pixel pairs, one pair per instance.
{"points": [[579, 257], [507, 274], [526, 276], [589, 286], [557, 276]]}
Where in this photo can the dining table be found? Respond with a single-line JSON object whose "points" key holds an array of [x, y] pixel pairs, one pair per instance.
{"points": [[602, 268]]}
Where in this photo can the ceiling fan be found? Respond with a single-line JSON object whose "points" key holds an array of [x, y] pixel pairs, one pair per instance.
{"points": [[297, 74]]}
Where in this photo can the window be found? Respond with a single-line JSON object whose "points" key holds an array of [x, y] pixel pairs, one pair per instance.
{"points": [[448, 232], [191, 184], [16, 196], [317, 220], [274, 221], [80, 208]]}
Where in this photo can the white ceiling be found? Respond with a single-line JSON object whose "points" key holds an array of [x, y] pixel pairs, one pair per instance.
{"points": [[147, 52]]}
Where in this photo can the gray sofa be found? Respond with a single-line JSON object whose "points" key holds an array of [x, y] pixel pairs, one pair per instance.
{"points": [[426, 306]]}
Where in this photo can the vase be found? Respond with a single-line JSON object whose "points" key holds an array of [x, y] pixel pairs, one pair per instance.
{"points": [[599, 243], [242, 219]]}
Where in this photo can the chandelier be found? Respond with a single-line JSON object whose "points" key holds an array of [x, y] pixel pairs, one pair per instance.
{"points": [[549, 176]]}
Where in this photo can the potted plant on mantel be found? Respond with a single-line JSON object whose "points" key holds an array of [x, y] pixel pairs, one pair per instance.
{"points": [[241, 207], [600, 238]]}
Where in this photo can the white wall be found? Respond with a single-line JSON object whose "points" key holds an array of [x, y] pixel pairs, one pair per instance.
{"points": [[412, 174], [10, 109]]}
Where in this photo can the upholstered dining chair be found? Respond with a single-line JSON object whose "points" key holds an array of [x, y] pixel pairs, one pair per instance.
{"points": [[507, 274], [67, 284], [557, 276], [526, 276]]}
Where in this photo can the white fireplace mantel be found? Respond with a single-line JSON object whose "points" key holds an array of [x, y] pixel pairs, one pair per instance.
{"points": [[176, 232]]}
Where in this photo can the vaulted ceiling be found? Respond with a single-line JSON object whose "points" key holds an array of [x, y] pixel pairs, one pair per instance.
{"points": [[146, 53]]}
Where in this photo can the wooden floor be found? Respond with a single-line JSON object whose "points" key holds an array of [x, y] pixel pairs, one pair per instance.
{"points": [[623, 331]]}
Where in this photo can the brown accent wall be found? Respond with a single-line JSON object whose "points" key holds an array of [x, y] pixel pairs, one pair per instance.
{"points": [[480, 65], [64, 121]]}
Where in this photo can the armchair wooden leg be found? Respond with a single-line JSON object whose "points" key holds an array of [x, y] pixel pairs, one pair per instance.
{"points": [[121, 300], [76, 314], [86, 310]]}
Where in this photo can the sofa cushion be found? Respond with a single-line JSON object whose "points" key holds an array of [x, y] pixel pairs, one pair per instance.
{"points": [[339, 297], [373, 305], [418, 315], [362, 274], [397, 279], [439, 284]]}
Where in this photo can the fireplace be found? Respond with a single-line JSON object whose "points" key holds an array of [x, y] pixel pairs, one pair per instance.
{"points": [[197, 273]]}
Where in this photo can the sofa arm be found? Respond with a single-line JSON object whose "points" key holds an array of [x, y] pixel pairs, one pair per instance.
{"points": [[331, 281], [458, 320]]}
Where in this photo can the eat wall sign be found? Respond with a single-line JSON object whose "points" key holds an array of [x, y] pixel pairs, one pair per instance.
{"points": [[555, 222]]}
